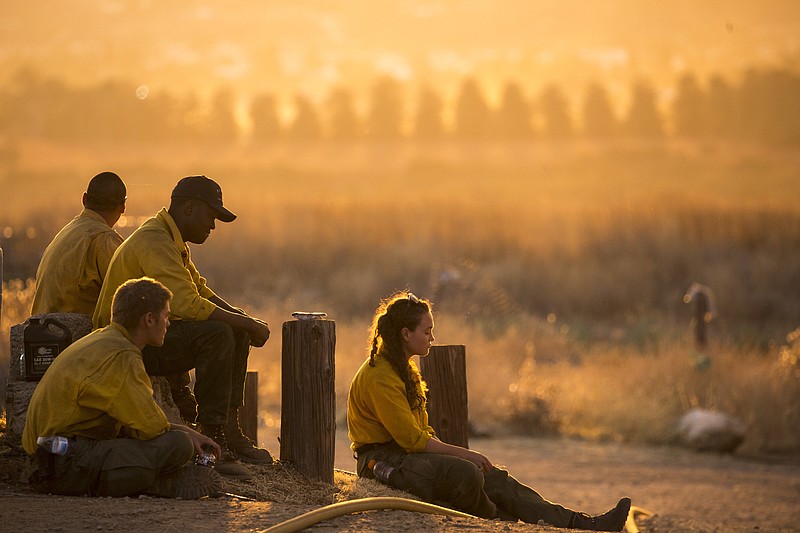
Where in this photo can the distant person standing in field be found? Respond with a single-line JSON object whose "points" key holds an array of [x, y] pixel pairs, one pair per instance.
{"points": [[97, 396], [74, 264], [206, 332], [387, 422]]}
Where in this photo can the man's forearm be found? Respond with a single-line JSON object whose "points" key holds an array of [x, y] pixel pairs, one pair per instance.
{"points": [[234, 320], [219, 302], [255, 328]]}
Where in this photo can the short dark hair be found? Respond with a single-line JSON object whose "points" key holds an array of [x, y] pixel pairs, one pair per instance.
{"points": [[135, 298], [105, 192]]}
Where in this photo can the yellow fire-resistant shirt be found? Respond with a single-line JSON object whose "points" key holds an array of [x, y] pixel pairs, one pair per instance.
{"points": [[157, 250], [378, 411], [73, 266], [93, 389]]}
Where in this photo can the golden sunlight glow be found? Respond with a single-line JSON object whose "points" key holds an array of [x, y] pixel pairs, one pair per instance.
{"points": [[552, 174], [313, 46]]}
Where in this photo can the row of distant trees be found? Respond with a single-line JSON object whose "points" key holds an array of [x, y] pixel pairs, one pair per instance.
{"points": [[763, 106]]}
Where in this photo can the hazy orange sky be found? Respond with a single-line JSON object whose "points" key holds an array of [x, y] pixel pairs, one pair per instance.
{"points": [[309, 46]]}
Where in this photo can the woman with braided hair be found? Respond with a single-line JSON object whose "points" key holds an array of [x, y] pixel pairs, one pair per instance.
{"points": [[387, 422]]}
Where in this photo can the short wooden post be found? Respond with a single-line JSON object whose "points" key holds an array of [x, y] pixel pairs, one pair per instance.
{"points": [[700, 320], [248, 417], [1, 282], [704, 311], [445, 371], [308, 397]]}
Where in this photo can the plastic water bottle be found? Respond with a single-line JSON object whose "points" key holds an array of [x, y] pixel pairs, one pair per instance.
{"points": [[54, 444], [381, 470]]}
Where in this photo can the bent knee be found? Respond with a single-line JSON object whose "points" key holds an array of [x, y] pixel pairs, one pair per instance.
{"points": [[219, 329], [468, 472], [178, 441], [217, 336], [462, 477]]}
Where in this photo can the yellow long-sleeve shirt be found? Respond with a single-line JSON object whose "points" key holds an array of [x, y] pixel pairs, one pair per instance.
{"points": [[157, 250], [378, 411], [93, 389], [73, 266]]}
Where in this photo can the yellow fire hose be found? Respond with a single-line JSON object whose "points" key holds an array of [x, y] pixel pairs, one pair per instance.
{"points": [[633, 514], [385, 502], [354, 506]]}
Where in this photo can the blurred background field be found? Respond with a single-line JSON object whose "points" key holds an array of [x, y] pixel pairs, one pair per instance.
{"points": [[554, 175], [561, 267]]}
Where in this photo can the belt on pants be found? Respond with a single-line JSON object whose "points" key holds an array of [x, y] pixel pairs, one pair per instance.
{"points": [[364, 448]]}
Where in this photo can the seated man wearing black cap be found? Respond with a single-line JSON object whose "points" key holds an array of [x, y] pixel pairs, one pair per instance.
{"points": [[206, 333]]}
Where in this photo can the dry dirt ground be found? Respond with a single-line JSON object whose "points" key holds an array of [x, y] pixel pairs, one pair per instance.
{"points": [[687, 491]]}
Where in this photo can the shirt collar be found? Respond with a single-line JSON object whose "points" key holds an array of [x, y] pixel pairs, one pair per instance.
{"points": [[172, 228], [122, 330], [88, 213]]}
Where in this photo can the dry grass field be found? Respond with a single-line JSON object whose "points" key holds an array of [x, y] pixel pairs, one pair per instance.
{"points": [[561, 267]]}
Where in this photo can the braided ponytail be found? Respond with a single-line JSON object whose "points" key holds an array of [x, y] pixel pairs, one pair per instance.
{"points": [[401, 310]]}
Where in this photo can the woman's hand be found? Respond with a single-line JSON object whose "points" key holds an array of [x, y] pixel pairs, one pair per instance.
{"points": [[434, 445], [480, 460]]}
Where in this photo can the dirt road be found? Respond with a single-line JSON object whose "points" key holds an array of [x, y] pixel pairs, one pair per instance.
{"points": [[689, 492]]}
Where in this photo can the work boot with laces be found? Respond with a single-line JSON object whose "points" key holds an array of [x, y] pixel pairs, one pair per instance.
{"points": [[228, 464], [613, 520], [244, 448], [186, 402]]}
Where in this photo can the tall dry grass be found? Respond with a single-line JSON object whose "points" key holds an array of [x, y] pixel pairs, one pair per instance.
{"points": [[616, 392], [538, 380], [561, 267], [17, 299]]}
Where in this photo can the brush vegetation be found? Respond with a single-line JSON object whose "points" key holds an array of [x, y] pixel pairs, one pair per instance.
{"points": [[561, 266]]}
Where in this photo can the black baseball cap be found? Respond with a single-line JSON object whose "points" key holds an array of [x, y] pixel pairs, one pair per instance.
{"points": [[206, 189]]}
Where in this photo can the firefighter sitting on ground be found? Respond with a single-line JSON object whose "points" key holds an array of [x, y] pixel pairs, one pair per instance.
{"points": [[98, 395]]}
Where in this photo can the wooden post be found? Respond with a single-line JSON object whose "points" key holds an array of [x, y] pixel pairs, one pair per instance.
{"points": [[445, 371], [248, 417], [704, 311], [1, 282], [308, 397], [700, 320]]}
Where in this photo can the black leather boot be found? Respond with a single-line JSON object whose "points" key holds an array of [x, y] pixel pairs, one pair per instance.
{"points": [[244, 448], [186, 402], [228, 464], [613, 520]]}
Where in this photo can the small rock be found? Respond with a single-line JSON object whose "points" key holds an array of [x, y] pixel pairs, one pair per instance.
{"points": [[706, 430]]}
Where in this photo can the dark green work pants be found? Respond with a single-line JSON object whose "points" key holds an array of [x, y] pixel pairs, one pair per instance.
{"points": [[217, 352], [113, 467], [459, 484]]}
